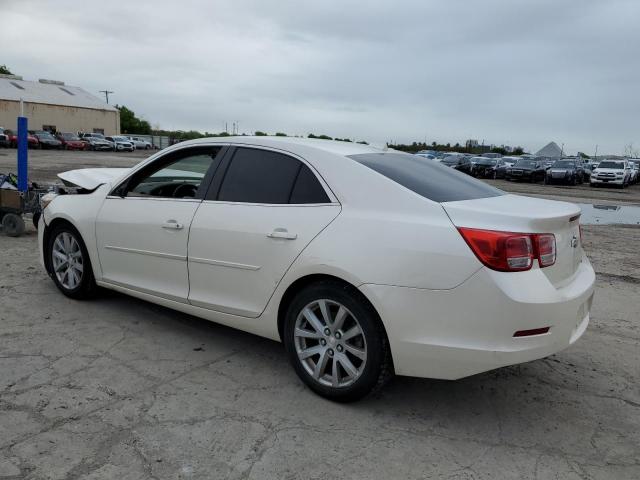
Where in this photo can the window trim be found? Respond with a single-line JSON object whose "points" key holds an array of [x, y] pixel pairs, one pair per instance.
{"points": [[162, 156], [216, 184]]}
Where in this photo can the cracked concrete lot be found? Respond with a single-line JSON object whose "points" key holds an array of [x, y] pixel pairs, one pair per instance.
{"points": [[120, 388]]}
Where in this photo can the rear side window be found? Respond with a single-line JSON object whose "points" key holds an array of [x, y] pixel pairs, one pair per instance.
{"points": [[307, 188], [427, 178], [262, 176]]}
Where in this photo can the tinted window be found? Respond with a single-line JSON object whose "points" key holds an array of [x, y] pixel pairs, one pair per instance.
{"points": [[307, 188], [429, 179], [176, 175], [259, 176]]}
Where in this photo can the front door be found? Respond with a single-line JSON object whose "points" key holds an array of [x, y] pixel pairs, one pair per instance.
{"points": [[142, 229]]}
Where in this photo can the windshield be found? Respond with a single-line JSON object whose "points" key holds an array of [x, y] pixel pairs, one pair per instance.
{"points": [[487, 161], [606, 164], [564, 164], [70, 136], [525, 164], [46, 135], [431, 180]]}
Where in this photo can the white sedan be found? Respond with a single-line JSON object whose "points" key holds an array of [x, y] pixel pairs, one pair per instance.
{"points": [[364, 262]]}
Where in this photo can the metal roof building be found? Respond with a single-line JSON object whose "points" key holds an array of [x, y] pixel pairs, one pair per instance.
{"points": [[52, 105]]}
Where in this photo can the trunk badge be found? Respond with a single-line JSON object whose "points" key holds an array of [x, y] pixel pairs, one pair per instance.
{"points": [[574, 242]]}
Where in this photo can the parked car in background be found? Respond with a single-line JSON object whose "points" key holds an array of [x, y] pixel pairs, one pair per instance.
{"points": [[47, 140], [490, 168], [510, 161], [70, 141], [92, 135], [97, 144], [565, 171], [459, 162], [140, 143], [32, 140], [425, 155], [492, 155], [4, 138], [297, 223], [122, 144], [525, 169], [611, 172], [635, 171]]}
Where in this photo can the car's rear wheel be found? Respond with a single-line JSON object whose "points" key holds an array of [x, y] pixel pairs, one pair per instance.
{"points": [[336, 342], [69, 263]]}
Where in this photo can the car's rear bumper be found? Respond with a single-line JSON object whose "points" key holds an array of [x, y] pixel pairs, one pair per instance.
{"points": [[455, 333]]}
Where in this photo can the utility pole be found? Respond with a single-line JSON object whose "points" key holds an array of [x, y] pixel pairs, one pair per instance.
{"points": [[106, 94], [595, 156]]}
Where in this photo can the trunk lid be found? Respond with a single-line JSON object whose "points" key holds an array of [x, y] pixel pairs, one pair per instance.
{"points": [[515, 213]]}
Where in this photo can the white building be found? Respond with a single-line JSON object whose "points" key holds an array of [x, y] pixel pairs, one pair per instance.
{"points": [[52, 105]]}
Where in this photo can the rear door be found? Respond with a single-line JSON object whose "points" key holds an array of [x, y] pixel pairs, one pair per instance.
{"points": [[142, 229], [261, 211]]}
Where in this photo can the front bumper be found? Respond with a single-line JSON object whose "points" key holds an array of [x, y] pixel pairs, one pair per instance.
{"points": [[450, 334], [606, 181]]}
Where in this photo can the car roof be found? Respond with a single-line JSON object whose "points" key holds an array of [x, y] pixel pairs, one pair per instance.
{"points": [[292, 144]]}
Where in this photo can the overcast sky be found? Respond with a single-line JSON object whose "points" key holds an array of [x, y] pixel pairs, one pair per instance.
{"points": [[506, 72]]}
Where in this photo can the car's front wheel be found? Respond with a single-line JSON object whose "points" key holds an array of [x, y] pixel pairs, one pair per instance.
{"points": [[336, 342], [69, 263]]}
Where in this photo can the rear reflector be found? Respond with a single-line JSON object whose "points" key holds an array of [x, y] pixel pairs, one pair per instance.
{"points": [[509, 251], [529, 333]]}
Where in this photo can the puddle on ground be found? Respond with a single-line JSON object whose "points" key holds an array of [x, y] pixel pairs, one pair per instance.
{"points": [[609, 214]]}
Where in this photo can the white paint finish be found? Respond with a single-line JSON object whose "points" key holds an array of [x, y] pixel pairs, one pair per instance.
{"points": [[446, 315], [513, 213], [238, 235], [90, 178], [137, 251]]}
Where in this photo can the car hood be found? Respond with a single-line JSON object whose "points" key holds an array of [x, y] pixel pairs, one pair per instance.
{"points": [[610, 170], [91, 178]]}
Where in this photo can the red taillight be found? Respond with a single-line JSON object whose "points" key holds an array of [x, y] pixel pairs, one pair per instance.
{"points": [[508, 251], [546, 249]]}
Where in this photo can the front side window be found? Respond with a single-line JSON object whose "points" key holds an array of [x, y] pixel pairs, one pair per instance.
{"points": [[177, 175], [263, 176]]}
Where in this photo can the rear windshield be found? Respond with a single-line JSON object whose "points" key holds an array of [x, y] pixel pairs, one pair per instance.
{"points": [[432, 180]]}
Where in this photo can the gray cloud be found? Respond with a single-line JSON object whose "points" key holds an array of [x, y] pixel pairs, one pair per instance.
{"points": [[515, 72]]}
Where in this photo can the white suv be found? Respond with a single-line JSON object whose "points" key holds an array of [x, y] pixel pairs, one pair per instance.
{"points": [[611, 172]]}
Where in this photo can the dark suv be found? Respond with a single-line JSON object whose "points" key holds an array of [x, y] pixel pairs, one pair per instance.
{"points": [[525, 169], [458, 162], [565, 171]]}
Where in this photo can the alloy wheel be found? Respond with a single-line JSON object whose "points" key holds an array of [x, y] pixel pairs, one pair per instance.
{"points": [[330, 343], [67, 260]]}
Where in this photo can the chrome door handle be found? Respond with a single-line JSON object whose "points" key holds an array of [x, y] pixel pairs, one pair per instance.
{"points": [[172, 225], [282, 233]]}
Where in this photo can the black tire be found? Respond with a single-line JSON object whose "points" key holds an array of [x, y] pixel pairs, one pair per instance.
{"points": [[86, 288], [377, 369], [574, 181], [36, 219], [12, 225], [147, 147]]}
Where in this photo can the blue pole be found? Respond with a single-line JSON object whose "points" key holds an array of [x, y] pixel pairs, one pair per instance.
{"points": [[23, 153]]}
